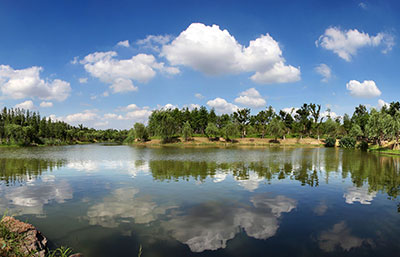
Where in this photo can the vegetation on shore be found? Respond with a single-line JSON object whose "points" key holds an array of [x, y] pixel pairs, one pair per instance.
{"points": [[364, 129], [19, 127]]}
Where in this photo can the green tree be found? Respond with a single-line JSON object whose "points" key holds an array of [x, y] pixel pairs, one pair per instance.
{"points": [[276, 128], [187, 131], [141, 133], [242, 117], [230, 131], [212, 131]]}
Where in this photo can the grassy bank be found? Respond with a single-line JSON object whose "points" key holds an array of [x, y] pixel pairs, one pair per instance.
{"points": [[260, 142]]}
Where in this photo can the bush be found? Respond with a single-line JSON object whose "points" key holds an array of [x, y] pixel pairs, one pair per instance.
{"points": [[347, 142], [330, 142], [363, 146]]}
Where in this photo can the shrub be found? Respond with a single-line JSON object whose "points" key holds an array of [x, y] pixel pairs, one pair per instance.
{"points": [[230, 131], [347, 142], [330, 142]]}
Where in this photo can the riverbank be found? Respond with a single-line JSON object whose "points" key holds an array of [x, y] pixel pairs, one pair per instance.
{"points": [[20, 239], [260, 142]]}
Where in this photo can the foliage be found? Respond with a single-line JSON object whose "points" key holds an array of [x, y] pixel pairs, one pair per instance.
{"points": [[187, 131], [276, 128], [347, 142], [230, 131], [330, 142], [23, 127], [212, 131], [141, 133]]}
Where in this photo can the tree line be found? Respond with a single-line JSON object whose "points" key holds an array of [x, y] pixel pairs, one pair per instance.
{"points": [[24, 127], [363, 126]]}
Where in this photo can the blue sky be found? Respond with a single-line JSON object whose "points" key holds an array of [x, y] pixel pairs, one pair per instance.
{"points": [[62, 58]]}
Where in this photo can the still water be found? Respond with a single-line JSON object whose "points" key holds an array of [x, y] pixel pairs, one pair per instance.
{"points": [[107, 200]]}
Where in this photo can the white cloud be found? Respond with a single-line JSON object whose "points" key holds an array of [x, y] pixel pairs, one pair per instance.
{"points": [[221, 106], [325, 114], [192, 106], [26, 83], [27, 105], [83, 80], [363, 5], [290, 110], [361, 195], [214, 51], [121, 73], [382, 103], [346, 43], [251, 97], [46, 104], [324, 71], [124, 43], [154, 42], [199, 96], [366, 89], [81, 117], [339, 236]]}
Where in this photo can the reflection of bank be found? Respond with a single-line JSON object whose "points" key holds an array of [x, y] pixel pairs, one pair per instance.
{"points": [[209, 226]]}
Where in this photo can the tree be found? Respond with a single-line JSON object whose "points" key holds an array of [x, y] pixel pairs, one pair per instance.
{"points": [[263, 118], [187, 131], [379, 126], [302, 117], [242, 117], [276, 128], [355, 131], [230, 131], [212, 131], [141, 133]]}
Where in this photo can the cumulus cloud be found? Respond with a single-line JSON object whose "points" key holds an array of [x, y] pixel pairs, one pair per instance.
{"points": [[221, 106], [46, 104], [124, 43], [81, 117], [361, 195], [382, 103], [213, 51], [252, 98], [83, 80], [210, 226], [27, 83], [366, 89], [324, 71], [124, 204], [120, 74], [339, 236], [27, 105], [154, 42], [199, 96], [345, 43]]}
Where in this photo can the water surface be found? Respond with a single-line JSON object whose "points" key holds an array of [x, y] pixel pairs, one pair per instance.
{"points": [[107, 200]]}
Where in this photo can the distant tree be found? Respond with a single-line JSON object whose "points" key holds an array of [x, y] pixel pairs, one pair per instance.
{"points": [[262, 119], [379, 126], [242, 117], [230, 131], [212, 131], [187, 131], [302, 117], [355, 131], [141, 133], [276, 128]]}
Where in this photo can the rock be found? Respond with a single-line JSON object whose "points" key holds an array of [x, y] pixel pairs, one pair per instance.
{"points": [[33, 240]]}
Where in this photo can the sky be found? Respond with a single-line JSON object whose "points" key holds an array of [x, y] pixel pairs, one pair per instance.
{"points": [[109, 64]]}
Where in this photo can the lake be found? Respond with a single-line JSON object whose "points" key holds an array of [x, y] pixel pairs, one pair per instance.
{"points": [[108, 200]]}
